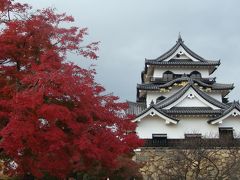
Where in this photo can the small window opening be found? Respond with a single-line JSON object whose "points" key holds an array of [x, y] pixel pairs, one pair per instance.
{"points": [[195, 74], [160, 98], [168, 75], [159, 139], [226, 132]]}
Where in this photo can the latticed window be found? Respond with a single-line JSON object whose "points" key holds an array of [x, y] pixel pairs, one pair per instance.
{"points": [[159, 139], [195, 74], [168, 75], [226, 132]]}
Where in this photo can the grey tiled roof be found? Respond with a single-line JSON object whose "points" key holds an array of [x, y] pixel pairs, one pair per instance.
{"points": [[190, 63], [135, 108], [193, 110], [179, 93], [171, 113], [214, 86], [179, 43]]}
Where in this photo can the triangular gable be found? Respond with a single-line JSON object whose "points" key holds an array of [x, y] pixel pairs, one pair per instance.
{"points": [[191, 99], [188, 58], [181, 49], [186, 91], [183, 55], [154, 112]]}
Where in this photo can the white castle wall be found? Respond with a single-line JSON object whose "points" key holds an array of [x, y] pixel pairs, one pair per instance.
{"points": [[186, 102], [234, 122], [158, 72], [153, 95], [155, 125]]}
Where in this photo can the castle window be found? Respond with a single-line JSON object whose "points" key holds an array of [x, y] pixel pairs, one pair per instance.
{"points": [[160, 98], [168, 75], [226, 132], [195, 74], [159, 139]]}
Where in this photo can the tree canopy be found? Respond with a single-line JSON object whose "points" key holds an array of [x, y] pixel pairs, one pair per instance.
{"points": [[55, 119]]}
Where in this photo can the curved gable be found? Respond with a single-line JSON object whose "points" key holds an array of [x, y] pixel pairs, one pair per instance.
{"points": [[191, 99], [191, 92], [151, 111]]}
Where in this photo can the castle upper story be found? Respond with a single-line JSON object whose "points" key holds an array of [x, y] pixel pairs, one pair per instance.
{"points": [[163, 76], [179, 95]]}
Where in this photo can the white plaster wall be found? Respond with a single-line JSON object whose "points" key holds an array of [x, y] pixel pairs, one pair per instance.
{"points": [[153, 95], [194, 102], [158, 71], [156, 125], [151, 125]]}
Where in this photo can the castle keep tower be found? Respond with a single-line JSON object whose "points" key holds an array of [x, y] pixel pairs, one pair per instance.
{"points": [[179, 98]]}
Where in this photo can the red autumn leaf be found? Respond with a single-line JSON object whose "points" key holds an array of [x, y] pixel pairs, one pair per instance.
{"points": [[55, 119]]}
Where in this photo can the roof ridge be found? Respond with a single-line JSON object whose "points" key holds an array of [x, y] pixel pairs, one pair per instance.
{"points": [[170, 51], [197, 63], [193, 53], [170, 82], [211, 85], [193, 110], [186, 78], [179, 42]]}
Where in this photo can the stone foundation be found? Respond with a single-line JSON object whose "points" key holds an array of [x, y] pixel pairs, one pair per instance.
{"points": [[198, 163]]}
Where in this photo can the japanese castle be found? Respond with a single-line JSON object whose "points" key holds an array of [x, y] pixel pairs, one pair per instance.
{"points": [[179, 98]]}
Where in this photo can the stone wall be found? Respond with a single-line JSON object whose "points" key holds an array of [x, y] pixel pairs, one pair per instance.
{"points": [[197, 163]]}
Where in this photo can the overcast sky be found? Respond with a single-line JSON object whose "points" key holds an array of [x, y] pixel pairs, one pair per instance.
{"points": [[132, 30]]}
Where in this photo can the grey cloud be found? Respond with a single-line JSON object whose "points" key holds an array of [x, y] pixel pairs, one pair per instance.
{"points": [[130, 31]]}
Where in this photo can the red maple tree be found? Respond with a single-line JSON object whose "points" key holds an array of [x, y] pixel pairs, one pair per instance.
{"points": [[55, 119]]}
